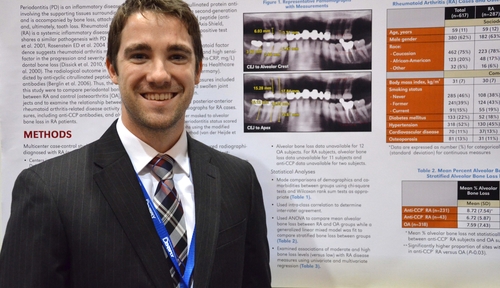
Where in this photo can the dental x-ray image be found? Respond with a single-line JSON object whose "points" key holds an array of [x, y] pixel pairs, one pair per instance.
{"points": [[304, 41], [315, 102]]}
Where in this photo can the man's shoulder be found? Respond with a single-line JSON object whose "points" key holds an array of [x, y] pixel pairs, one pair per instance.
{"points": [[68, 158], [82, 155]]}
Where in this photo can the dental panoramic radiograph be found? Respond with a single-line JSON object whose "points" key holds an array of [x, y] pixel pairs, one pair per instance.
{"points": [[331, 40], [280, 96], [314, 102]]}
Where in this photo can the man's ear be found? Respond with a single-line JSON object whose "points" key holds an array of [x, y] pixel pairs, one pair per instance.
{"points": [[113, 75]]}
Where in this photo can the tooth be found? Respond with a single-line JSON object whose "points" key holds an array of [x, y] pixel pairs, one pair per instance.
{"points": [[268, 95], [314, 94], [347, 95], [318, 105], [325, 111], [277, 111], [331, 108], [271, 111], [341, 116], [278, 36], [347, 35], [306, 61], [347, 107], [348, 49], [278, 96], [249, 47], [347, 31], [314, 35], [280, 47], [292, 108], [305, 35], [321, 95], [339, 52], [255, 109], [362, 53], [306, 94], [347, 45], [304, 105], [268, 108], [280, 115], [293, 52], [325, 50], [340, 29], [328, 95], [328, 36], [268, 36], [359, 103], [264, 50], [338, 93], [362, 110], [284, 48], [359, 43], [256, 43]]}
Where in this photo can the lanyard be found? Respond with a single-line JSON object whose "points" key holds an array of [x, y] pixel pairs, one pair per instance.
{"points": [[167, 243]]}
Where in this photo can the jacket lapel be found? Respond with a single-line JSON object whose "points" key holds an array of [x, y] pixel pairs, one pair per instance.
{"points": [[206, 182], [118, 182]]}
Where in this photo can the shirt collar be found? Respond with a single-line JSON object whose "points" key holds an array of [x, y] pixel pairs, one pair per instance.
{"points": [[141, 153]]}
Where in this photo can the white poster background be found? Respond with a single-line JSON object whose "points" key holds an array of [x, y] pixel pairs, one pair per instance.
{"points": [[365, 245]]}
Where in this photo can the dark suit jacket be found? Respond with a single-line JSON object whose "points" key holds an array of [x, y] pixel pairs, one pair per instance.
{"points": [[80, 220]]}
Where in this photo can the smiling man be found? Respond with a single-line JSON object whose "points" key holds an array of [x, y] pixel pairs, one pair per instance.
{"points": [[145, 205], [156, 70]]}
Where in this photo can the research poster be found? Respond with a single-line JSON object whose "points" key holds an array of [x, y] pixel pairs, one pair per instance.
{"points": [[374, 126]]}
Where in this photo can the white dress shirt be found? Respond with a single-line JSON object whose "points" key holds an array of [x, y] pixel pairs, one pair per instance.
{"points": [[141, 154]]}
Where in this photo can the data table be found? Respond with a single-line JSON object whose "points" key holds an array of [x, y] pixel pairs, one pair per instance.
{"points": [[451, 204], [443, 75]]}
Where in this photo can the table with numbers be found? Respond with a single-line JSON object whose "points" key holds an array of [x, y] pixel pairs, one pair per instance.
{"points": [[451, 204], [443, 75]]}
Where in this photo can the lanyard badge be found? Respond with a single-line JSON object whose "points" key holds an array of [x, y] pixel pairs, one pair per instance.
{"points": [[167, 243]]}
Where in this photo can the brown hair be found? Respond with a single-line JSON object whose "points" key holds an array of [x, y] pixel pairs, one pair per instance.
{"points": [[176, 8]]}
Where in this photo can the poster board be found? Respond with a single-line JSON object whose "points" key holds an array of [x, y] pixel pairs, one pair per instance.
{"points": [[373, 126]]}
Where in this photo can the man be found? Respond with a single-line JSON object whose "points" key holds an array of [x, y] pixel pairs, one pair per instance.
{"points": [[82, 220]]}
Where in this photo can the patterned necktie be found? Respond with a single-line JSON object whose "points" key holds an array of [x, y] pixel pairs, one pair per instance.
{"points": [[168, 204]]}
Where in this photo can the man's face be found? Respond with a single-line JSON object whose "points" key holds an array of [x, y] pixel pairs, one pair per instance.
{"points": [[155, 72]]}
